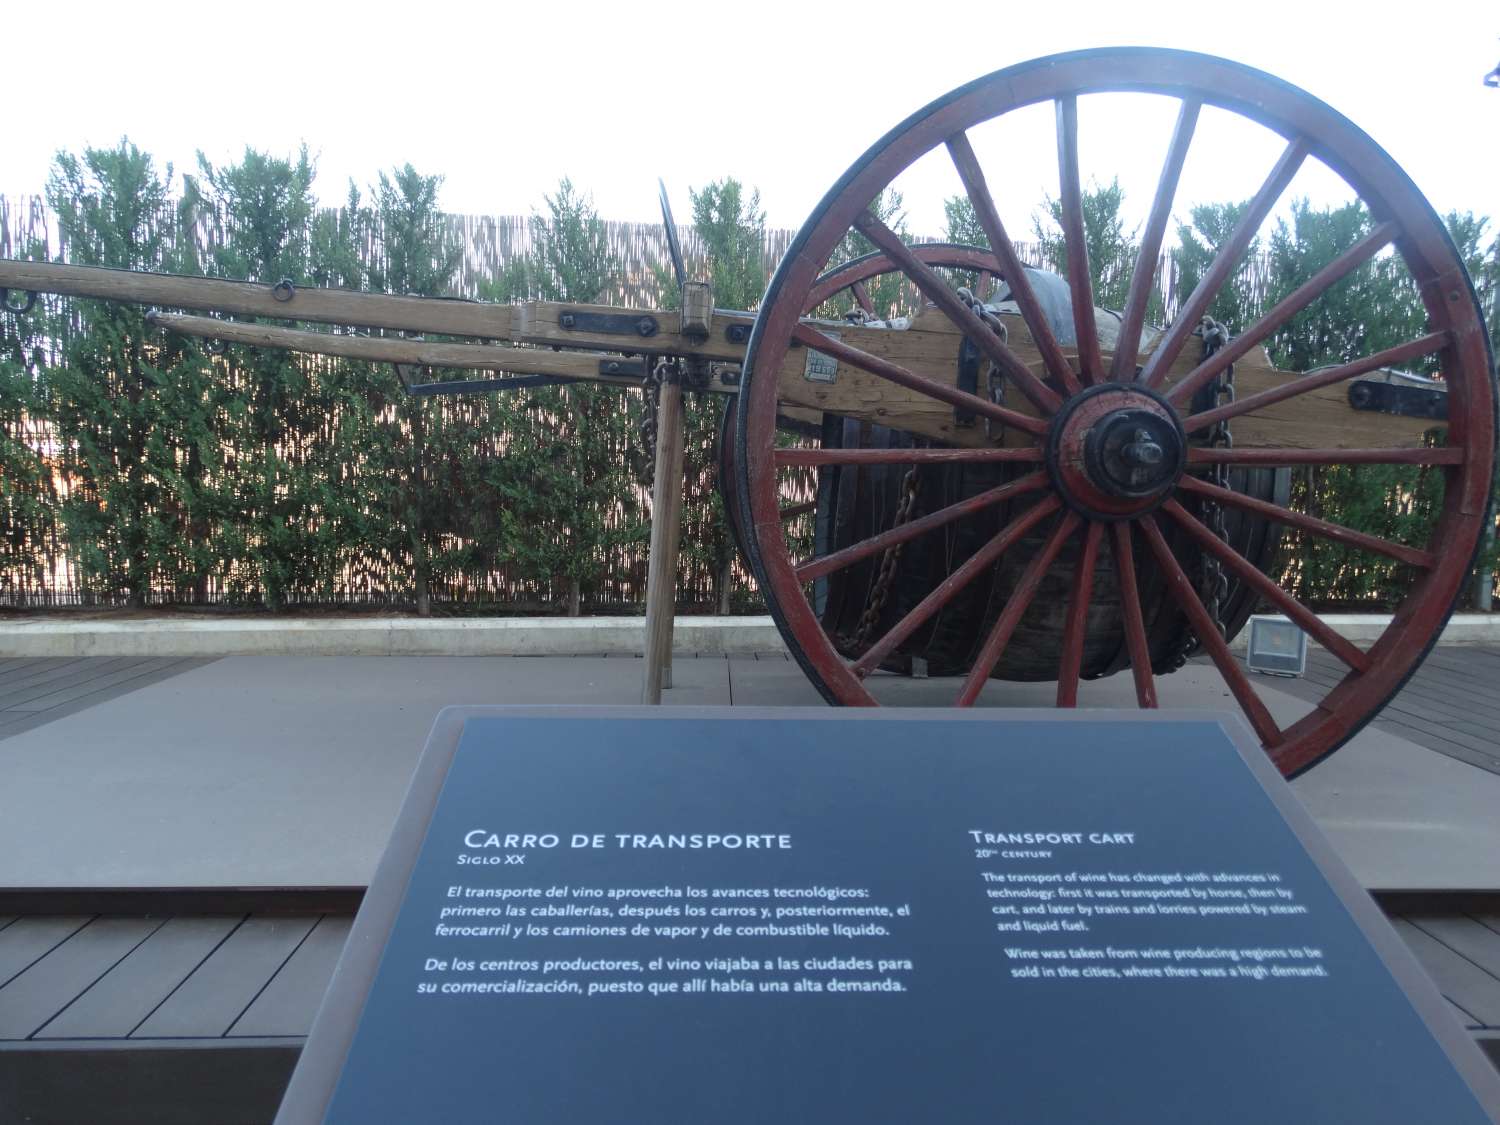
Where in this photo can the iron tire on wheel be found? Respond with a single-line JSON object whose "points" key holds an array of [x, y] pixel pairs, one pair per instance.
{"points": [[1082, 507]]}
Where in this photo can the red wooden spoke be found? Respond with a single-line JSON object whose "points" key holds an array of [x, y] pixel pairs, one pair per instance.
{"points": [[862, 295], [1268, 589], [1128, 345], [1223, 265], [967, 163], [1427, 455], [950, 587], [1015, 607], [1135, 625], [795, 510], [1422, 345], [1208, 633], [986, 283], [1288, 307], [1090, 363], [1336, 532], [816, 568], [936, 290], [1076, 627], [912, 381], [789, 458]]}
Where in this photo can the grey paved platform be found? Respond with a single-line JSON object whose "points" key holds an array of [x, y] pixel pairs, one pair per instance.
{"points": [[287, 771]]}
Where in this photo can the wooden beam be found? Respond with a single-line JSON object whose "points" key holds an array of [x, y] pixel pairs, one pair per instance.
{"points": [[378, 349], [666, 529], [251, 298], [1319, 419], [542, 322]]}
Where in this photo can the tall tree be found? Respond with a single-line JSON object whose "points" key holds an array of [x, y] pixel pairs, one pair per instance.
{"points": [[567, 507], [1198, 243], [128, 401], [28, 498], [890, 294], [420, 255], [1111, 248], [280, 534], [731, 227]]}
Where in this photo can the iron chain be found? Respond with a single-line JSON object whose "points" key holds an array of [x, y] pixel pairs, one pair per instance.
{"points": [[1213, 582], [646, 426], [880, 591], [994, 380]]}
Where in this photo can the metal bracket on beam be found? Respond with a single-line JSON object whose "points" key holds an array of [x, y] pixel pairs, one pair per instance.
{"points": [[610, 324], [1408, 397], [632, 368], [969, 358]]}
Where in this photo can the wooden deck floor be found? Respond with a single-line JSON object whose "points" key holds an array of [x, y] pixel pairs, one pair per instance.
{"points": [[39, 690], [1451, 705], [200, 1017]]}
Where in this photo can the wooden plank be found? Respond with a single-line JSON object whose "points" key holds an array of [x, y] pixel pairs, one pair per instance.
{"points": [[27, 940], [248, 298], [666, 531], [1321, 418], [422, 353], [1484, 746], [1452, 698], [116, 677], [39, 683], [119, 1001], [1465, 936], [195, 902], [1486, 761], [220, 989], [289, 1002], [14, 667], [55, 981], [160, 1082], [1462, 981]]}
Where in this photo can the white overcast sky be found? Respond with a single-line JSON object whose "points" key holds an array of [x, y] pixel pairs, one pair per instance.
{"points": [[503, 99]]}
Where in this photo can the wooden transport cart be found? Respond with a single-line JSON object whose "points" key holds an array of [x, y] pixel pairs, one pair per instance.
{"points": [[1002, 490]]}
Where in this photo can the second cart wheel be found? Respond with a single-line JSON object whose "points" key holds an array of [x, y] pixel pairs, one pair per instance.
{"points": [[1112, 440]]}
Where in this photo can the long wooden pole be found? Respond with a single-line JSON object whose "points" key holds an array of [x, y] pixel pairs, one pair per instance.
{"points": [[666, 528], [589, 366], [253, 298]]}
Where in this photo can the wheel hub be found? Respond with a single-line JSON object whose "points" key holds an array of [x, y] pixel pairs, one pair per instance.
{"points": [[1115, 451]]}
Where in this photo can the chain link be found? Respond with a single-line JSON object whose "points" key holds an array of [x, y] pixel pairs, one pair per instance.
{"points": [[1213, 582], [994, 380], [911, 486], [646, 425], [880, 591]]}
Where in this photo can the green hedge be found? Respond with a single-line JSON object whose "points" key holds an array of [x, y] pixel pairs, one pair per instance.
{"points": [[138, 468]]}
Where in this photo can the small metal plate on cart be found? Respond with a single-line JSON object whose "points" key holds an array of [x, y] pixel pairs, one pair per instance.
{"points": [[821, 368]]}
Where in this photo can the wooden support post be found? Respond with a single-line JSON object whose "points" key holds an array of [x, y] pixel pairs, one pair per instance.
{"points": [[666, 529]]}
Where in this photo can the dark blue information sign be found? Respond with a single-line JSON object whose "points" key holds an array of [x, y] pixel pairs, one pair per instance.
{"points": [[632, 915]]}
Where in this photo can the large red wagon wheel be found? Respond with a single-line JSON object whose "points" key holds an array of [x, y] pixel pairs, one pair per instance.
{"points": [[1116, 468]]}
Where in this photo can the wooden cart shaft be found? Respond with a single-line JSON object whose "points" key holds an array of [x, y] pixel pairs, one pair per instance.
{"points": [[602, 343]]}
